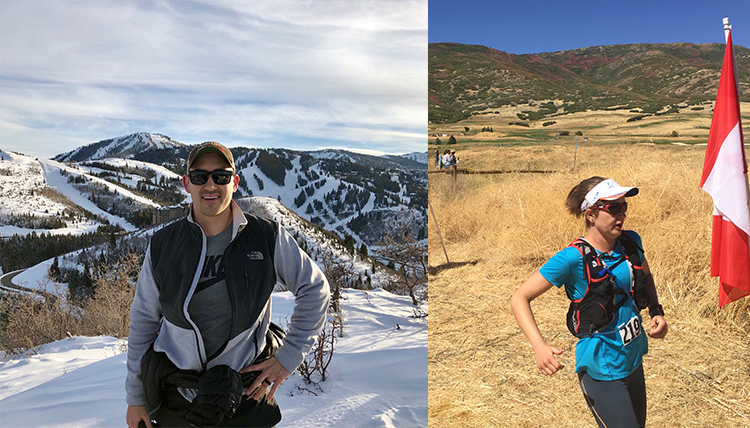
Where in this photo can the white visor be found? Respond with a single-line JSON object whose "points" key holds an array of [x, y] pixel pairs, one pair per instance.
{"points": [[607, 189]]}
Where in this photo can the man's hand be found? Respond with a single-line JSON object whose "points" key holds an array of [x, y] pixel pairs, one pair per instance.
{"points": [[136, 414], [272, 373], [658, 326]]}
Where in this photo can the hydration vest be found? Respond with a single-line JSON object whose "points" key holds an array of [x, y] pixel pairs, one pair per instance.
{"points": [[597, 308]]}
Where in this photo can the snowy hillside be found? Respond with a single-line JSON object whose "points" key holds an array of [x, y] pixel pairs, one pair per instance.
{"points": [[319, 245], [377, 376], [364, 272], [333, 191], [61, 199], [131, 164]]}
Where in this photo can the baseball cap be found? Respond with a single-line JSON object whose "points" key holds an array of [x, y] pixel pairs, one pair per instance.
{"points": [[606, 190], [210, 146]]}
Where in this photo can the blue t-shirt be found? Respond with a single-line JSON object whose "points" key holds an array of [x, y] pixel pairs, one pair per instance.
{"points": [[617, 350]]}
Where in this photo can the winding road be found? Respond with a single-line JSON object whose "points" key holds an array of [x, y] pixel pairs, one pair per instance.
{"points": [[7, 285], [6, 281]]}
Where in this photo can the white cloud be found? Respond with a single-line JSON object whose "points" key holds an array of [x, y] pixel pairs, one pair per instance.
{"points": [[350, 72]]}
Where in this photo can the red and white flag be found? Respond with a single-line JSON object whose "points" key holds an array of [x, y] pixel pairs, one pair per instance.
{"points": [[725, 179]]}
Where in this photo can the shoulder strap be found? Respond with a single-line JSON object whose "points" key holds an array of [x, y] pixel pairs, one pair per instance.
{"points": [[639, 291], [631, 249], [593, 267]]}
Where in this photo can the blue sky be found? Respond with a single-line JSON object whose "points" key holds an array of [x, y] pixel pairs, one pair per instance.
{"points": [[548, 26], [292, 74]]}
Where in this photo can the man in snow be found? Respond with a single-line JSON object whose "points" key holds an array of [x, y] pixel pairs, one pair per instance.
{"points": [[203, 305]]}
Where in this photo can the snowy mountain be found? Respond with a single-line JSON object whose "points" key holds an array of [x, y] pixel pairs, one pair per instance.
{"points": [[348, 193], [340, 192], [128, 146], [418, 157], [121, 181]]}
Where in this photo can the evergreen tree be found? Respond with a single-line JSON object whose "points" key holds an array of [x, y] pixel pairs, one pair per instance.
{"points": [[349, 243], [54, 269]]}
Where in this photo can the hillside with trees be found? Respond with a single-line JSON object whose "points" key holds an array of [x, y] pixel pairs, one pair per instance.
{"points": [[466, 80]]}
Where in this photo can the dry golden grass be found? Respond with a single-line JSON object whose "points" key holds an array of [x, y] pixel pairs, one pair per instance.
{"points": [[598, 126], [498, 229]]}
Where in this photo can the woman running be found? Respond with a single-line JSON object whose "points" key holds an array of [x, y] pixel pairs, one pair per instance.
{"points": [[608, 281]]}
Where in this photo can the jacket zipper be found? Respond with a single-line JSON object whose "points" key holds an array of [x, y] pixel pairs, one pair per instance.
{"points": [[187, 303]]}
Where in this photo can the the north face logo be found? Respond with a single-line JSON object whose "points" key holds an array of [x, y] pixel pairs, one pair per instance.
{"points": [[255, 255]]}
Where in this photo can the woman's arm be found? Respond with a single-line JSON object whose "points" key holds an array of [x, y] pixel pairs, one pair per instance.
{"points": [[658, 323], [520, 303]]}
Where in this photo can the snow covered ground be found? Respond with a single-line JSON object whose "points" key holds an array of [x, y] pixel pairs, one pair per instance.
{"points": [[378, 374]]}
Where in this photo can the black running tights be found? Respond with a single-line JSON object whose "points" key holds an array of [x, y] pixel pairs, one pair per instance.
{"points": [[617, 403]]}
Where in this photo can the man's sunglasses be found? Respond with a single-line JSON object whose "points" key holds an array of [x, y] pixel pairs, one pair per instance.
{"points": [[613, 209], [199, 177]]}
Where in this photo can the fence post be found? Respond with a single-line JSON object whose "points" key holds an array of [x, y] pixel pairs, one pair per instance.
{"points": [[438, 230]]}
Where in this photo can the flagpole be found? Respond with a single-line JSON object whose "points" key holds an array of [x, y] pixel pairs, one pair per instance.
{"points": [[727, 27], [727, 30]]}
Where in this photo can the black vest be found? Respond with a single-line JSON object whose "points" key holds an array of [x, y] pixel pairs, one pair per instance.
{"points": [[250, 275]]}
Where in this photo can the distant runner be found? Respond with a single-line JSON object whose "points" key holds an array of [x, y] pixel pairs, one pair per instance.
{"points": [[608, 281]]}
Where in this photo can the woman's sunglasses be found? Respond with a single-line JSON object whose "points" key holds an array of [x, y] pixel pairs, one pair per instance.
{"points": [[199, 177], [613, 209]]}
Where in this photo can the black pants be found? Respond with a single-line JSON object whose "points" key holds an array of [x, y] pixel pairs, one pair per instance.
{"points": [[617, 403], [174, 407]]}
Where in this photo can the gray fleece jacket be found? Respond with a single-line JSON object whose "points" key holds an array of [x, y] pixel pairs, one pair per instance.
{"points": [[261, 253]]}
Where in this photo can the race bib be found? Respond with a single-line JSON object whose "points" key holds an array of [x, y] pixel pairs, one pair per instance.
{"points": [[630, 330]]}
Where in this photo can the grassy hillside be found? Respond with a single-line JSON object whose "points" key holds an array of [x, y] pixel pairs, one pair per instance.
{"points": [[498, 229], [466, 80]]}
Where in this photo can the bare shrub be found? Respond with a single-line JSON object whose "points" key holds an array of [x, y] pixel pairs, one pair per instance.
{"points": [[108, 310], [315, 364], [338, 272], [409, 256], [33, 319]]}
